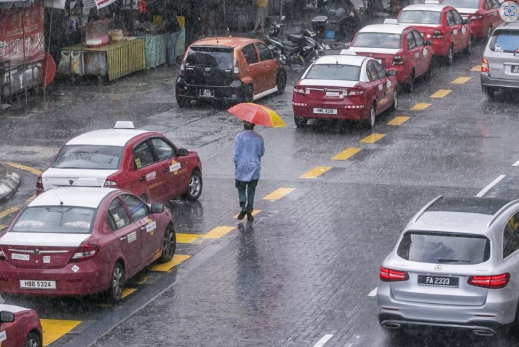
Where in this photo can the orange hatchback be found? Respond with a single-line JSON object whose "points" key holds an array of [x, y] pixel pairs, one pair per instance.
{"points": [[229, 69]]}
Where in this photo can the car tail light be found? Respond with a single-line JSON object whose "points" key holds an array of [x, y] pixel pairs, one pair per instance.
{"points": [[2, 256], [475, 16], [398, 60], [490, 282], [236, 69], [84, 252], [389, 275], [183, 67], [299, 90], [484, 65], [355, 91], [437, 34], [39, 185], [111, 184]]}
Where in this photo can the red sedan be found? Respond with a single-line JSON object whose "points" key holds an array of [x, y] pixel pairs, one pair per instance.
{"points": [[443, 25], [483, 14], [19, 327], [344, 86], [143, 162], [81, 241]]}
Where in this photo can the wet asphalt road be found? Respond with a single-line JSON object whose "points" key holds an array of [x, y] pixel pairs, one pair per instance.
{"points": [[304, 270]]}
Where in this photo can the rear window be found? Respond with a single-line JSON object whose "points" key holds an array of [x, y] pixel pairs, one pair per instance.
{"points": [[55, 219], [377, 40], [420, 17], [462, 3], [504, 41], [444, 248], [210, 57], [88, 157], [333, 72]]}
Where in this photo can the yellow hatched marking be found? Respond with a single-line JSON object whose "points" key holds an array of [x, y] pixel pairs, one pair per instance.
{"points": [[347, 153], [143, 280], [315, 172], [9, 211], [420, 106], [372, 138], [461, 80], [2, 226], [476, 68], [278, 194], [254, 212], [127, 291], [23, 167], [54, 329], [29, 199], [398, 120], [187, 238], [218, 232], [441, 93], [177, 259]]}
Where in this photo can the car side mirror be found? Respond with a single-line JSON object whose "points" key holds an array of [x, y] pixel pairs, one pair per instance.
{"points": [[467, 21], [182, 152], [6, 317], [429, 42], [157, 208], [391, 72]]}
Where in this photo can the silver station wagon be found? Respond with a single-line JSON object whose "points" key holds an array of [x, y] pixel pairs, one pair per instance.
{"points": [[500, 63], [456, 265]]}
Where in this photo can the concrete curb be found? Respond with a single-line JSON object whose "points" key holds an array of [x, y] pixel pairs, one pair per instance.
{"points": [[9, 182]]}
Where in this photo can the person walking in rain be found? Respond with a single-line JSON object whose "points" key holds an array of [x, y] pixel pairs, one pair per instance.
{"points": [[248, 150], [261, 14]]}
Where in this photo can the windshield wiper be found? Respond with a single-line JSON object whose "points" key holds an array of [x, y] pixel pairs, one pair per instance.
{"points": [[445, 260]]}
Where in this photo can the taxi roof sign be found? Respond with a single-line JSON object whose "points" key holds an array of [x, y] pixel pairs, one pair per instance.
{"points": [[124, 124], [347, 52], [432, 2], [390, 21]]}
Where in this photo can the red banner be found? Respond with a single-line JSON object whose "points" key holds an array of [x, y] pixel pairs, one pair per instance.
{"points": [[21, 35]]}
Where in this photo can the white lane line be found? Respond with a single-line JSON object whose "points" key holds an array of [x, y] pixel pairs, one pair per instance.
{"points": [[487, 188], [516, 163], [373, 292], [323, 340]]}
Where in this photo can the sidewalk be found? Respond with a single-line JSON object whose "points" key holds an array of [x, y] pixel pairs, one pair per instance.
{"points": [[9, 182]]}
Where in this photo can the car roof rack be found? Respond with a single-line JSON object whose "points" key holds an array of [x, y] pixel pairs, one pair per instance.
{"points": [[124, 124], [500, 212], [425, 208]]}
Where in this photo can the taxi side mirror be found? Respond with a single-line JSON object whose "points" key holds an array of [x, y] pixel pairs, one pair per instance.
{"points": [[467, 21], [157, 208], [6, 317], [429, 42], [391, 72], [182, 152]]}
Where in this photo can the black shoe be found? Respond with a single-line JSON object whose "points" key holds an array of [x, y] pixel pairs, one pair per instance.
{"points": [[250, 217], [242, 215]]}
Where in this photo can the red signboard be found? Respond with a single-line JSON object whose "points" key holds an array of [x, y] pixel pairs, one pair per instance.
{"points": [[21, 35]]}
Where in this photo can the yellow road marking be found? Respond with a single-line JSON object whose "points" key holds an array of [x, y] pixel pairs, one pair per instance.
{"points": [[441, 93], [461, 80], [315, 172], [476, 68], [420, 106], [143, 280], [177, 259], [29, 199], [23, 167], [187, 238], [2, 226], [9, 211], [218, 232], [347, 153], [254, 212], [127, 291], [398, 120], [372, 138], [53, 329], [278, 194]]}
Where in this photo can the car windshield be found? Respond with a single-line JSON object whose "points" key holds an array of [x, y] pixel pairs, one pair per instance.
{"points": [[462, 3], [88, 157], [377, 40], [333, 72], [419, 17], [55, 219], [210, 57], [436, 247], [505, 41]]}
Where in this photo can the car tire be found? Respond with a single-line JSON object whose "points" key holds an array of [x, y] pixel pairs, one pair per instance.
{"points": [[281, 82], [409, 87], [300, 121], [449, 59], [468, 49], [248, 94], [169, 246], [394, 105], [194, 186], [115, 291], [489, 92], [183, 103], [369, 122], [32, 340]]}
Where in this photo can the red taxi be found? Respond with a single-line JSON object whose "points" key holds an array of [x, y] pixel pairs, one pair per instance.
{"points": [[345, 86], [483, 14], [397, 47], [19, 327], [143, 162], [81, 241], [441, 24]]}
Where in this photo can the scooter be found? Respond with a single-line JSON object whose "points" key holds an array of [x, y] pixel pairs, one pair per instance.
{"points": [[338, 15]]}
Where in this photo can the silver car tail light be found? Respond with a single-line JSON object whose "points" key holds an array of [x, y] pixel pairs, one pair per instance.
{"points": [[390, 275], [490, 282]]}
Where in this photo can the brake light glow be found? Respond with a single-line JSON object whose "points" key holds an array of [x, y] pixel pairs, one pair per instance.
{"points": [[389, 275], [398, 60], [490, 282], [437, 34], [236, 69], [2, 256], [39, 185], [484, 65], [84, 252], [111, 184], [183, 67]]}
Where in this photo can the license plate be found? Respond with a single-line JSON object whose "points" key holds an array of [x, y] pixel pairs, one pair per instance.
{"points": [[207, 92], [30, 284], [438, 281], [332, 93], [515, 68], [379, 61], [325, 111]]}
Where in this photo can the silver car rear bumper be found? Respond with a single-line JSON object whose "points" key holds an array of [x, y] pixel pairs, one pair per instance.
{"points": [[487, 81], [397, 324]]}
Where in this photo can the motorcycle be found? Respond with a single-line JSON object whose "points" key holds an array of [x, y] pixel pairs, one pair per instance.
{"points": [[338, 16]]}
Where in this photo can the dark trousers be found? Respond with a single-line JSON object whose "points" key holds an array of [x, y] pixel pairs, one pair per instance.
{"points": [[246, 192]]}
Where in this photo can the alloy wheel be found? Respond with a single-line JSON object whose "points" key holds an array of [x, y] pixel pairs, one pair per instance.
{"points": [[194, 185], [117, 282]]}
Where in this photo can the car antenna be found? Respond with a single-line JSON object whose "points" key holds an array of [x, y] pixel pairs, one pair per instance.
{"points": [[60, 202]]}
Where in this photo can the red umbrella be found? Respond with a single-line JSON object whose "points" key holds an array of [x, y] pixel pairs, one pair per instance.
{"points": [[257, 114]]}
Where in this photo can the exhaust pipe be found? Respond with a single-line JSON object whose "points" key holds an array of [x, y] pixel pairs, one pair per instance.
{"points": [[391, 325], [483, 333]]}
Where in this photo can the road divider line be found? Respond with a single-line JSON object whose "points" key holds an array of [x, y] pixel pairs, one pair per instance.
{"points": [[516, 163], [9, 211], [218, 232], [315, 172], [372, 138], [347, 153], [420, 106], [278, 194], [177, 260], [23, 167], [441, 93], [487, 188], [53, 329], [476, 68], [373, 292], [398, 120], [254, 212], [187, 238], [461, 80], [323, 340]]}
